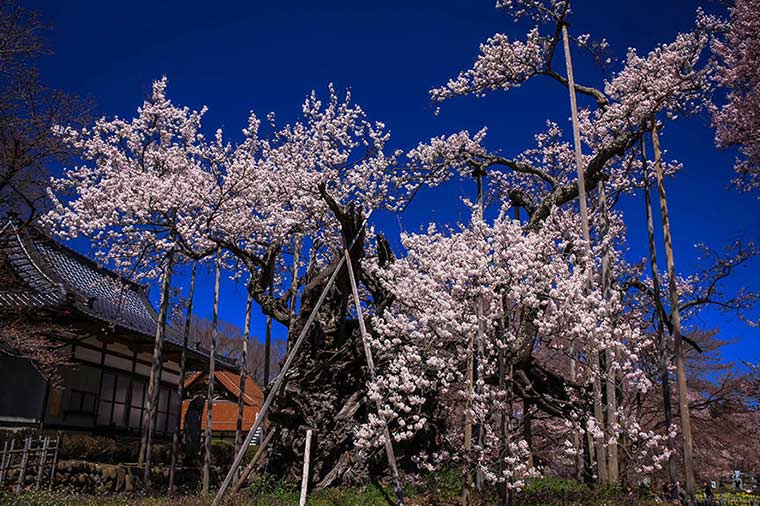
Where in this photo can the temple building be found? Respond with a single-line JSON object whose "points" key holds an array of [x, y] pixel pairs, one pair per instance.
{"points": [[102, 322]]}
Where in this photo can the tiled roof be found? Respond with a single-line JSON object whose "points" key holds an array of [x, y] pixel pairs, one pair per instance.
{"points": [[48, 274]]}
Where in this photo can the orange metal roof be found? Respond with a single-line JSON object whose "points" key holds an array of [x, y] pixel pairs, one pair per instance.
{"points": [[224, 416], [229, 380]]}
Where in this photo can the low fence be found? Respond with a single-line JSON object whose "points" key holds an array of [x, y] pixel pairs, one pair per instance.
{"points": [[38, 456]]}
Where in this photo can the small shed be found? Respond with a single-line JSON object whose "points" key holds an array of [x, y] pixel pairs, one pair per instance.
{"points": [[226, 396]]}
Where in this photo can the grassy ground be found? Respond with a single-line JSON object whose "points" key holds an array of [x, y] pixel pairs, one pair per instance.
{"points": [[442, 489]]}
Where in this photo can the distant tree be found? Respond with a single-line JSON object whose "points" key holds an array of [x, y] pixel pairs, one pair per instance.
{"points": [[228, 344], [22, 337], [28, 110]]}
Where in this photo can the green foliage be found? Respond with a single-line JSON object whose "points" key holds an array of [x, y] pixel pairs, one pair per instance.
{"points": [[266, 484], [369, 495], [437, 489], [222, 453], [554, 486], [100, 449], [442, 487]]}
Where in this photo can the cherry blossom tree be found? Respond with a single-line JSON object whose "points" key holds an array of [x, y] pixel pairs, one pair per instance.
{"points": [[285, 203], [737, 121], [142, 195], [670, 79]]}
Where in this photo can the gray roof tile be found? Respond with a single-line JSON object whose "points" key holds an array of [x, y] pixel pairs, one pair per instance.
{"points": [[52, 275]]}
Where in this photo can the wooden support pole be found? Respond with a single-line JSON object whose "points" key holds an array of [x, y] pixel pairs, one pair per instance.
{"points": [[470, 378], [597, 385], [389, 453], [473, 342], [480, 338], [659, 319], [41, 462], [683, 389], [294, 288], [268, 335], [283, 372], [243, 372], [206, 475], [267, 349], [305, 474], [610, 376], [24, 461], [155, 373], [181, 384], [505, 406], [249, 468]]}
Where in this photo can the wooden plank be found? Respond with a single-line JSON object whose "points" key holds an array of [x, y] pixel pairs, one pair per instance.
{"points": [[305, 474]]}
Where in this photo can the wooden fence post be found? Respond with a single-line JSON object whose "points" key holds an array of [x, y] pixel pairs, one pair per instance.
{"points": [[305, 475], [4, 461], [24, 460], [58, 441], [41, 462]]}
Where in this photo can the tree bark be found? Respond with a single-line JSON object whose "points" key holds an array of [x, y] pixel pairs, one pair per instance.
{"points": [[206, 478], [683, 389], [155, 372], [182, 373], [293, 419], [659, 319]]}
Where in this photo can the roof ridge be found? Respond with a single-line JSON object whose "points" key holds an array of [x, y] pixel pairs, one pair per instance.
{"points": [[24, 248]]}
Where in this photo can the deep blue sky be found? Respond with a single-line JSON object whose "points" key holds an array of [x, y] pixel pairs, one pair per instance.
{"points": [[266, 56]]}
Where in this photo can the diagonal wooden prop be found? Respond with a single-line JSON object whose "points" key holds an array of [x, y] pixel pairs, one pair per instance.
{"points": [[283, 372]]}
